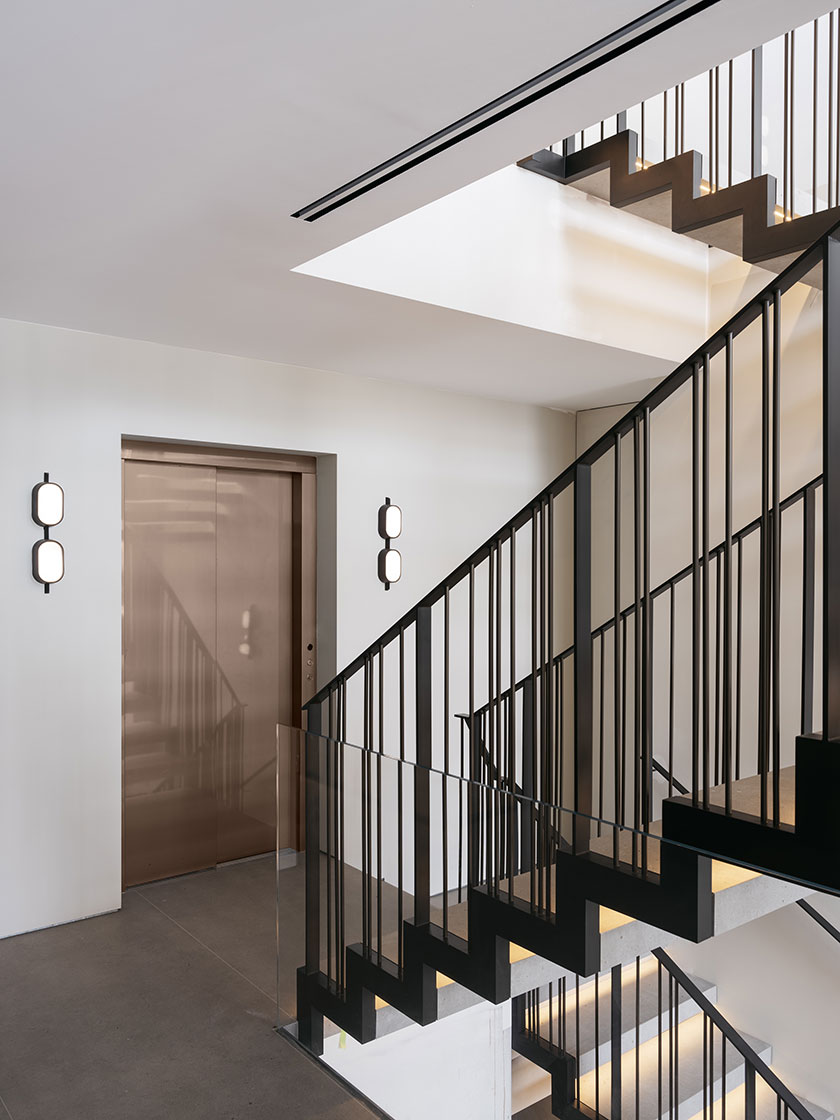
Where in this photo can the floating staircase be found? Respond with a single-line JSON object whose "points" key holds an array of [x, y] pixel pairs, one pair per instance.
{"points": [[743, 219], [529, 828]]}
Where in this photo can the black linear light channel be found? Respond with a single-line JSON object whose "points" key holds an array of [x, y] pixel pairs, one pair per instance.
{"points": [[612, 46]]}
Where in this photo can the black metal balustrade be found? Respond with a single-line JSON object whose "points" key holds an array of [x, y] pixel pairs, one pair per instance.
{"points": [[648, 652], [793, 81], [645, 1041]]}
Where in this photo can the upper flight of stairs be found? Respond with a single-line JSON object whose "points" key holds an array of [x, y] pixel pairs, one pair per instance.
{"points": [[742, 219]]}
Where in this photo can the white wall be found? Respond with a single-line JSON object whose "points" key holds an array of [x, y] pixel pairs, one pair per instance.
{"points": [[778, 979], [469, 1053], [458, 466]]}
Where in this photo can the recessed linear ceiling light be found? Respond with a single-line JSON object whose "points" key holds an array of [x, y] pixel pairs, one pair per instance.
{"points": [[640, 30]]}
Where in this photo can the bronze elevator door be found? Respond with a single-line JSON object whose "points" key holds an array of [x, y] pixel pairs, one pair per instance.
{"points": [[208, 653]]}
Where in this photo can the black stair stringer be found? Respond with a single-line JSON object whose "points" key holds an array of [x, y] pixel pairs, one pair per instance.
{"points": [[559, 1065], [678, 899], [808, 852], [753, 201], [482, 964]]}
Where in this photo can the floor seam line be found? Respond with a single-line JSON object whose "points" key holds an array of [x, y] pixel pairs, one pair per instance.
{"points": [[6, 1107], [207, 948]]}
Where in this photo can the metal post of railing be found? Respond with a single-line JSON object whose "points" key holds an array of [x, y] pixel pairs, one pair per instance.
{"points": [[583, 721], [422, 883], [831, 491]]}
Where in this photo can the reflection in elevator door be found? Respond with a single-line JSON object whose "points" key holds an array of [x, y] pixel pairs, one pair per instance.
{"points": [[208, 664]]}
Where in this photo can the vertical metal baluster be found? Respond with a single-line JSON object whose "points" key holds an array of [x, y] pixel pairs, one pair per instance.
{"points": [[625, 766], [473, 802], [597, 1048], [727, 594], [705, 535], [785, 128], [577, 1034], [400, 769], [615, 1041], [555, 756], [682, 117], [711, 164], [563, 1012], [776, 554], [539, 786], [379, 802], [490, 724], [638, 1040], [659, 1036], [461, 814], [328, 790], [738, 644], [831, 493], [512, 806], [642, 130], [601, 733], [550, 1014], [422, 771], [835, 93], [617, 777], [672, 637], [808, 570], [706, 1086], [718, 637], [638, 629], [647, 649], [764, 589], [444, 792], [792, 151], [341, 780], [695, 585], [831, 183]]}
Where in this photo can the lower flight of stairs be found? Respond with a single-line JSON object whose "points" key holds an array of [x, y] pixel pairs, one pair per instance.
{"points": [[679, 1096]]}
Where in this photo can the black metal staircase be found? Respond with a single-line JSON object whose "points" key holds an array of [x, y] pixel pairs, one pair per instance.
{"points": [[490, 772]]}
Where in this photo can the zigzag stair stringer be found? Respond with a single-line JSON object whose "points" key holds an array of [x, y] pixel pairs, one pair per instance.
{"points": [[740, 218]]}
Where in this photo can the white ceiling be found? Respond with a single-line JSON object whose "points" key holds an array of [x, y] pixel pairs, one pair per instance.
{"points": [[153, 152]]}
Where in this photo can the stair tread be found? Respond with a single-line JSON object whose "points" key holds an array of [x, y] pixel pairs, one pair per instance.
{"points": [[765, 1105], [649, 1006], [691, 1069]]}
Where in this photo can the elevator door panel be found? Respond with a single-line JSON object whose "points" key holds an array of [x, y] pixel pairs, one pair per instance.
{"points": [[170, 693], [254, 627], [208, 626]]}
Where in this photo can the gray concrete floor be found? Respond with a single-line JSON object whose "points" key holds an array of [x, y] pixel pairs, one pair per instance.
{"points": [[165, 1010]]}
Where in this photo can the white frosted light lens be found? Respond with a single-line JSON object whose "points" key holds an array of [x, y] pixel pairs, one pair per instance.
{"points": [[48, 503], [393, 565], [393, 521], [48, 561]]}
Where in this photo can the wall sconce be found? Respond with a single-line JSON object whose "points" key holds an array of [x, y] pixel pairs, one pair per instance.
{"points": [[389, 559], [47, 511]]}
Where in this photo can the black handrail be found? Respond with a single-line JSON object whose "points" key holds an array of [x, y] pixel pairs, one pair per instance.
{"points": [[819, 918], [791, 275], [732, 1036]]}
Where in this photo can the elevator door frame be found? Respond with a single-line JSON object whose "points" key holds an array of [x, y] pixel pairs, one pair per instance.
{"points": [[302, 468]]}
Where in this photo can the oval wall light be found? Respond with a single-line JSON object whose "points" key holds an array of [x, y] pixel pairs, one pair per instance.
{"points": [[47, 511], [47, 503], [389, 560], [47, 562], [390, 566]]}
